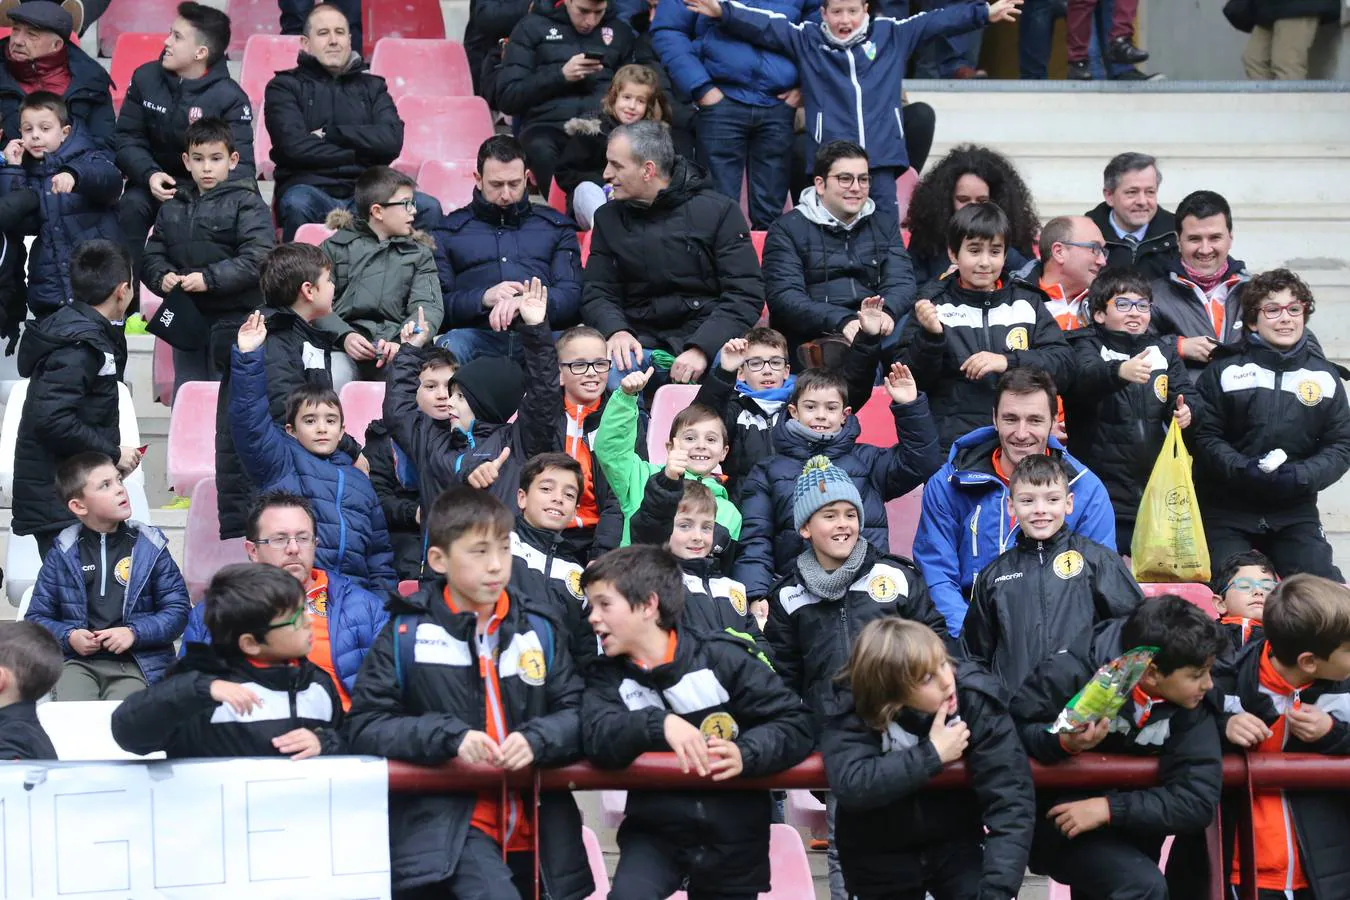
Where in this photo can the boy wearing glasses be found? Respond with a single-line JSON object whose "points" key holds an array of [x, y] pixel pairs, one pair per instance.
{"points": [[251, 692], [1241, 586], [1129, 383], [384, 274], [1275, 431], [583, 365]]}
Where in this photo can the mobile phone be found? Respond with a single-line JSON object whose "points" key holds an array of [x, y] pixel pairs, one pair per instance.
{"points": [[594, 55]]}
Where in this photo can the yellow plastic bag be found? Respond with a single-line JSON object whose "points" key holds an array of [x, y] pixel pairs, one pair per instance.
{"points": [[1169, 539]]}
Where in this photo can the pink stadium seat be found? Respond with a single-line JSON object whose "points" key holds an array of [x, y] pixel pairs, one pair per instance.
{"points": [[1059, 892], [264, 56], [902, 521], [904, 189], [161, 372], [262, 150], [612, 805], [415, 66], [131, 51], [876, 420], [313, 233], [441, 128], [789, 869], [557, 197], [204, 553], [449, 181], [250, 17], [361, 403], [1199, 594], [401, 19], [191, 455], [666, 405], [407, 588], [584, 239], [805, 811], [757, 238], [596, 858], [149, 303], [144, 16]]}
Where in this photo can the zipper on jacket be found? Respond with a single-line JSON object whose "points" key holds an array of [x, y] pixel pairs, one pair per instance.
{"points": [[857, 97], [975, 533], [103, 565], [342, 519], [900, 125], [843, 625], [820, 126], [984, 326]]}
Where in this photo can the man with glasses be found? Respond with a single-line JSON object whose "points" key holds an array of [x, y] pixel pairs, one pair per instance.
{"points": [[1275, 430], [343, 616], [831, 252], [487, 252], [1073, 251]]}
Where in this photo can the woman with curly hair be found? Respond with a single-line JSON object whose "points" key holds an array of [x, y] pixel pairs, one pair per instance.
{"points": [[968, 174]]}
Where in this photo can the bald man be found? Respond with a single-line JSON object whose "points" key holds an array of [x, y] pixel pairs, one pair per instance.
{"points": [[1072, 253]]}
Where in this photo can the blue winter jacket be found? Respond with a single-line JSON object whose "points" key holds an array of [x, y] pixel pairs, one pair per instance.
{"points": [[964, 524], [66, 220], [355, 617], [155, 608], [481, 245], [861, 77], [352, 538], [769, 543], [699, 54]]}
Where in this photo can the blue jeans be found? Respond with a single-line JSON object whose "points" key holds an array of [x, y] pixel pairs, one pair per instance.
{"points": [[738, 139], [471, 343], [1035, 32], [941, 57], [304, 203]]}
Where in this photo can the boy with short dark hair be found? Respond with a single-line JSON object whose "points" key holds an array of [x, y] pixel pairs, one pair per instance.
{"points": [[30, 663], [74, 360], [470, 668], [306, 458], [977, 326], [76, 184], [108, 590], [1049, 591], [1242, 584], [251, 691], [742, 721], [210, 240], [584, 365]]}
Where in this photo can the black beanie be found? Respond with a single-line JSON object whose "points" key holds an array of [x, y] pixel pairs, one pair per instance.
{"points": [[493, 385]]}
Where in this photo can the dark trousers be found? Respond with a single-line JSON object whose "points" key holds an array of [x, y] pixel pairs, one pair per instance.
{"points": [[883, 192], [1110, 865], [136, 213], [208, 361], [1080, 25], [1298, 546], [481, 874], [652, 868], [1266, 894], [543, 145], [940, 57], [1035, 33], [739, 141], [294, 12], [950, 872]]}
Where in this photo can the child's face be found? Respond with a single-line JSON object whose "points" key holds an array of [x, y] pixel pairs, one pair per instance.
{"points": [[104, 499], [318, 427], [1246, 593], [704, 443], [476, 565], [41, 132], [182, 47], [433, 391], [288, 637], [1334, 668], [210, 164], [773, 367], [550, 502], [319, 296], [1040, 508], [980, 262], [936, 691], [820, 409], [1133, 319], [1186, 687], [396, 216], [843, 17], [833, 532], [631, 104], [461, 416], [1285, 329], [620, 628], [691, 537], [589, 386]]}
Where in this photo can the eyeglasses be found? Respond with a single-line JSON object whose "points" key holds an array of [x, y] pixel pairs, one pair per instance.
{"points": [[1272, 311], [1097, 248], [294, 621], [409, 205], [775, 363], [582, 366], [1125, 304], [1247, 585], [848, 179], [282, 541]]}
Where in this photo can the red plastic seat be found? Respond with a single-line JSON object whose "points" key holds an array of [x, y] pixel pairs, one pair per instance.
{"points": [[316, 234], [204, 553], [161, 372], [902, 521], [407, 588], [904, 189], [133, 50], [264, 56], [557, 197], [876, 420], [449, 181], [441, 128], [584, 239], [262, 150], [250, 17], [1199, 594], [143, 16], [191, 455], [401, 19], [595, 858], [418, 66], [670, 399], [757, 238], [362, 403]]}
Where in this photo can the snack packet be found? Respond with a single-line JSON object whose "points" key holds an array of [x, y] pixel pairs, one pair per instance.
{"points": [[1106, 693]]}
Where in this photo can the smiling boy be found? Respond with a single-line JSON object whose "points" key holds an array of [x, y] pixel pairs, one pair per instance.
{"points": [[583, 366]]}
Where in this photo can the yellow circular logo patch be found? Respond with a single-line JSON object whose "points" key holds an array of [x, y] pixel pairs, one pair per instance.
{"points": [[532, 668], [737, 598], [719, 725], [1068, 564], [882, 588], [318, 603], [1160, 388], [574, 583], [1309, 392], [1017, 338], [122, 571]]}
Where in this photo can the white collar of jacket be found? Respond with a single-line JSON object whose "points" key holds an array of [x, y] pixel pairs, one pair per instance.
{"points": [[853, 39], [816, 212]]}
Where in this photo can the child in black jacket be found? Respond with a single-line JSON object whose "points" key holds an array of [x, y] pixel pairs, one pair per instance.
{"points": [[1242, 584], [30, 664], [914, 711], [252, 691], [712, 699]]}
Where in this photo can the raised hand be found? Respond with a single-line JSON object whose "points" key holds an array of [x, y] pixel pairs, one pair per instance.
{"points": [[677, 463], [927, 315], [416, 332], [1183, 412], [900, 384], [1005, 10], [485, 476], [733, 354], [252, 333], [710, 8], [1136, 369], [534, 303], [14, 152], [635, 382], [873, 318]]}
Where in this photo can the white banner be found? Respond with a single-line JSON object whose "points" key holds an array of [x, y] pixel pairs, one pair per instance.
{"points": [[199, 830]]}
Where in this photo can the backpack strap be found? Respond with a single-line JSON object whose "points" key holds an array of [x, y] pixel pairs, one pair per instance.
{"points": [[544, 628]]}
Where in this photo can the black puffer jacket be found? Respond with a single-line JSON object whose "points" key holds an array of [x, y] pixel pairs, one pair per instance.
{"points": [[679, 272], [88, 97], [1116, 427], [583, 156], [810, 638], [723, 686], [750, 421], [394, 478], [544, 570], [715, 603], [225, 234], [530, 83], [1154, 254], [21, 733], [74, 359], [654, 521], [159, 107], [1179, 310], [355, 112], [1040, 598], [422, 715], [887, 820]]}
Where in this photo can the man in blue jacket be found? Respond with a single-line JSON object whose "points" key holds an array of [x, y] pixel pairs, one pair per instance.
{"points": [[966, 521], [344, 616], [488, 251], [743, 96]]}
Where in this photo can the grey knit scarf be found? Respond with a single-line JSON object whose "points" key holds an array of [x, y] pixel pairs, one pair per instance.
{"points": [[831, 585], [813, 438]]}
